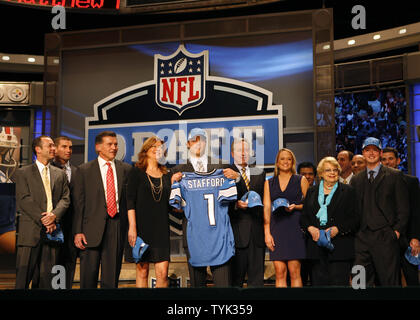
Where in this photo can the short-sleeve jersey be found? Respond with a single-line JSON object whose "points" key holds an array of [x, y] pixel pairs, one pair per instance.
{"points": [[204, 198]]}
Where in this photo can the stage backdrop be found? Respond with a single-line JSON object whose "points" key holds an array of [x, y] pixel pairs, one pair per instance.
{"points": [[249, 84]]}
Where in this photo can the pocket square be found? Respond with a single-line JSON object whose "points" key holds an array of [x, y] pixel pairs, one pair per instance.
{"points": [[57, 235], [139, 249]]}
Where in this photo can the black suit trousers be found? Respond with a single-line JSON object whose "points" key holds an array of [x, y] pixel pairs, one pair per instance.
{"points": [[221, 275], [108, 255], [35, 264], [249, 260], [379, 252]]}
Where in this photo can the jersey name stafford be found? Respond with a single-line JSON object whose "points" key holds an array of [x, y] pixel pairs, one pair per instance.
{"points": [[205, 183]]}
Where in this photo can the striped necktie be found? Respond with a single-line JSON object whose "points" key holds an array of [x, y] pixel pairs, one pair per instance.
{"points": [[47, 187], [243, 174]]}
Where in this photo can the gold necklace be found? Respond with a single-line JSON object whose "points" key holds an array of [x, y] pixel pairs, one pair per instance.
{"points": [[156, 190]]}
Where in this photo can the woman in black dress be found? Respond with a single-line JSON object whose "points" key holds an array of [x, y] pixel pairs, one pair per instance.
{"points": [[148, 193], [283, 235]]}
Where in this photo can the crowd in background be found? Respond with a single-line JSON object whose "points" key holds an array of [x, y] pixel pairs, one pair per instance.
{"points": [[380, 114]]}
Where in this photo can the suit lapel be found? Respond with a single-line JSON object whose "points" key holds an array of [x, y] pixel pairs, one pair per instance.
{"points": [[37, 177], [97, 176], [379, 177], [120, 173], [335, 199], [53, 178]]}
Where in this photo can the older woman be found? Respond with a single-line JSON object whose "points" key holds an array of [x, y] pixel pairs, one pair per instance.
{"points": [[148, 193], [283, 235], [330, 207]]}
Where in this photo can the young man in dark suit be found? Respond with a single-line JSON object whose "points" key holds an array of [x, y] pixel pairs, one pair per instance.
{"points": [[390, 158], [384, 206], [69, 253], [100, 214], [199, 161], [42, 199], [247, 223]]}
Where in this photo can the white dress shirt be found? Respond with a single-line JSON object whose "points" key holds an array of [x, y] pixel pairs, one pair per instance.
{"points": [[203, 160], [104, 169], [68, 170], [41, 169], [346, 179]]}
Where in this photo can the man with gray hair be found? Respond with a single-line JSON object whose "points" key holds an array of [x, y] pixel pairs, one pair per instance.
{"points": [[247, 222]]}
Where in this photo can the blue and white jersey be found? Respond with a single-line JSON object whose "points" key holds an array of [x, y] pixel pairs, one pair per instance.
{"points": [[205, 199]]}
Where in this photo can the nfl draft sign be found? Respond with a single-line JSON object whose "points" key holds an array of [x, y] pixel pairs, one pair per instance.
{"points": [[184, 96], [180, 80]]}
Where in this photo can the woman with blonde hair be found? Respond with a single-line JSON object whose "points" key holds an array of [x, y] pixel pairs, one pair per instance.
{"points": [[330, 208], [148, 194], [283, 235]]}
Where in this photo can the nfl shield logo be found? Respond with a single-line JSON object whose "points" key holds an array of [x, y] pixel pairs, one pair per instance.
{"points": [[180, 79]]}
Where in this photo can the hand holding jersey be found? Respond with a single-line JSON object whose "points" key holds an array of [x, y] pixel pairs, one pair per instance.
{"points": [[204, 197]]}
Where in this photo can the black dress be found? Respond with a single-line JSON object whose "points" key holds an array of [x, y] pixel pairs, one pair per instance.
{"points": [[152, 217], [285, 228]]}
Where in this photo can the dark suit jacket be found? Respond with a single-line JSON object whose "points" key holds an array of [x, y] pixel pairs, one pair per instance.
{"points": [[250, 222], [413, 228], [391, 196], [188, 167], [342, 213], [67, 221], [31, 201], [90, 211]]}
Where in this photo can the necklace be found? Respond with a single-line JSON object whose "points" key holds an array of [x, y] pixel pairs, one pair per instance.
{"points": [[156, 190], [327, 187]]}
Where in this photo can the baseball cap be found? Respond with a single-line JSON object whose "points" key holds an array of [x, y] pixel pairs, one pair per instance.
{"points": [[197, 132], [412, 259], [325, 240], [57, 235], [279, 202], [253, 198], [371, 141], [139, 248]]}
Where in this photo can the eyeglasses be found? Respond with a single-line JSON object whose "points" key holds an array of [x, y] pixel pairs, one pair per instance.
{"points": [[331, 170]]}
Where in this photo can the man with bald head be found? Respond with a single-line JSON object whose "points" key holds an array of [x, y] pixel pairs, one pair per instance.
{"points": [[358, 163], [344, 158]]}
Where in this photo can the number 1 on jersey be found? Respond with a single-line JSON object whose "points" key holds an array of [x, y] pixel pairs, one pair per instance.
{"points": [[210, 208]]}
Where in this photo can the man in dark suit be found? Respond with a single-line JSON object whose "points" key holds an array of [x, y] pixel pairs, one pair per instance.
{"points": [[100, 214], [247, 223], [390, 158], [42, 199], [384, 206], [199, 161], [69, 253]]}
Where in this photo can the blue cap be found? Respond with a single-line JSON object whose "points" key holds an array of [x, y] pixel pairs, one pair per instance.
{"points": [[325, 240], [139, 248], [279, 202], [412, 259], [197, 132], [253, 198], [57, 235], [371, 141]]}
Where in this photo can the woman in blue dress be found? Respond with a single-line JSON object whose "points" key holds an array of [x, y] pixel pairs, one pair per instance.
{"points": [[283, 235]]}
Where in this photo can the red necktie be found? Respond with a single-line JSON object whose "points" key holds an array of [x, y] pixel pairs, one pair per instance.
{"points": [[111, 203]]}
